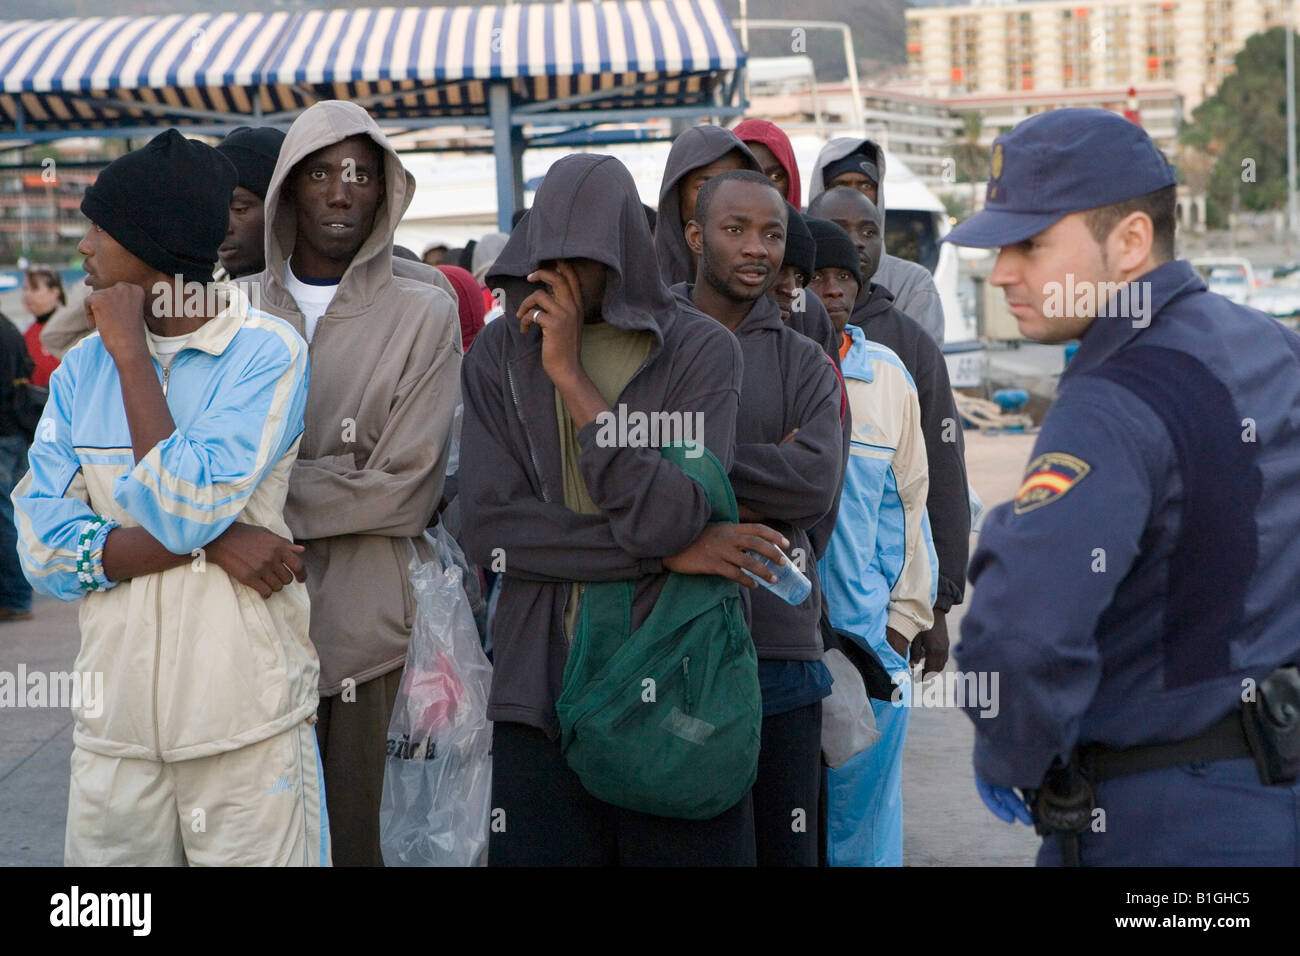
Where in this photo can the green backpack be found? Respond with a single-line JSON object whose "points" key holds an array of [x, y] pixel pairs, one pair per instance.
{"points": [[666, 719]]}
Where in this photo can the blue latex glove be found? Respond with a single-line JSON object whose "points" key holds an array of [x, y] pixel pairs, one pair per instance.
{"points": [[1003, 802]]}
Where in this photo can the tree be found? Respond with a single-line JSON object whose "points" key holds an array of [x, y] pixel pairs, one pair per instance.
{"points": [[1242, 128], [970, 159]]}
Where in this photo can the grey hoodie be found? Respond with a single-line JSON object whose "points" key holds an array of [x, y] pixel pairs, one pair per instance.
{"points": [[911, 283], [511, 478], [385, 363], [698, 146], [787, 383]]}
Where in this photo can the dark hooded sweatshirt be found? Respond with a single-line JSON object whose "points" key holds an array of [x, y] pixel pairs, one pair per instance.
{"points": [[814, 322], [698, 146], [511, 474], [774, 138], [787, 383], [948, 501]]}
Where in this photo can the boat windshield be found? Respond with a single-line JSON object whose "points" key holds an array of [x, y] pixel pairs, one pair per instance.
{"points": [[912, 234]]}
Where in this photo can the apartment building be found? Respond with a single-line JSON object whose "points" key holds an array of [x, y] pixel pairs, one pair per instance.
{"points": [[1059, 46]]}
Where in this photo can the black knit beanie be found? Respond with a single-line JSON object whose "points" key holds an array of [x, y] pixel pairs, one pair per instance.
{"points": [[835, 250], [168, 203], [253, 150], [800, 250], [856, 162]]}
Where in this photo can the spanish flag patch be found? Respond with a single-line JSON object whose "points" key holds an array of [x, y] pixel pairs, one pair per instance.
{"points": [[1049, 477]]}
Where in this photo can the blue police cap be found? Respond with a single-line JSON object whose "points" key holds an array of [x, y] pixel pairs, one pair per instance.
{"points": [[1060, 162]]}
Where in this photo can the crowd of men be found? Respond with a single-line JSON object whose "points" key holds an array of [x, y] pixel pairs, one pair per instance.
{"points": [[236, 491]]}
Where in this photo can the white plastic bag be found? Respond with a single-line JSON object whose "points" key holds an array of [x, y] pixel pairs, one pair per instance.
{"points": [[848, 722], [438, 777]]}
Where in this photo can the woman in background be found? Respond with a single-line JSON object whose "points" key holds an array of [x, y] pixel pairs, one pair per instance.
{"points": [[42, 295]]}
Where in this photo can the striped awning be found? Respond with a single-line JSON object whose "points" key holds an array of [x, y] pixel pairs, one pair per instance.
{"points": [[104, 72]]}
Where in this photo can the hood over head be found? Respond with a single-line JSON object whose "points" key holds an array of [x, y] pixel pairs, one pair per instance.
{"points": [[469, 303], [774, 138], [836, 150], [587, 208], [698, 146], [487, 249], [321, 125]]}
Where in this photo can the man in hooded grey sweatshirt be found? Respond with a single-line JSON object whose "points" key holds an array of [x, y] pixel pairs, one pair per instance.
{"points": [[552, 506], [860, 164], [385, 359]]}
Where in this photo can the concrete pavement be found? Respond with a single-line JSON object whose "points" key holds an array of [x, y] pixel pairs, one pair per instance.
{"points": [[36, 743], [944, 822]]}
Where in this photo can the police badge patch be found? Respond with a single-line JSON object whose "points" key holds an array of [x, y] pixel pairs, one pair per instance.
{"points": [[1047, 478]]}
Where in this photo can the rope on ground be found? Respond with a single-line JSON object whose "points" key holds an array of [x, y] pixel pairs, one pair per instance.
{"points": [[988, 416]]}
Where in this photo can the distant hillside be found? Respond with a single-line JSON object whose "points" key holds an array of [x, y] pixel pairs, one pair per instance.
{"points": [[877, 25]]}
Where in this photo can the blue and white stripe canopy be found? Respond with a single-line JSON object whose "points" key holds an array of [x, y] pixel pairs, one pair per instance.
{"points": [[106, 72]]}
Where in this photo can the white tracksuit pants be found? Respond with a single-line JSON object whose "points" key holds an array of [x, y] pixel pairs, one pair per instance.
{"points": [[260, 805]]}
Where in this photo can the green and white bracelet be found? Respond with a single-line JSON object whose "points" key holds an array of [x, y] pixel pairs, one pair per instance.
{"points": [[90, 553]]}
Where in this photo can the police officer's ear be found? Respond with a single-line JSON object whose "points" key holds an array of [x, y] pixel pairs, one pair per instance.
{"points": [[1130, 245]]}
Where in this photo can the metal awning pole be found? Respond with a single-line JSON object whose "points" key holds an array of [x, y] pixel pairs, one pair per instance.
{"points": [[504, 152]]}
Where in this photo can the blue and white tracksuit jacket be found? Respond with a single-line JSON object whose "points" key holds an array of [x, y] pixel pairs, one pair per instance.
{"points": [[880, 570], [194, 662]]}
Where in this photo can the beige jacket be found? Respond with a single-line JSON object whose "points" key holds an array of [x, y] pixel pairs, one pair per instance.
{"points": [[193, 663], [385, 378]]}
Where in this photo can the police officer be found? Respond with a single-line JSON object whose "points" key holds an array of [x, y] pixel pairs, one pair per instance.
{"points": [[1138, 598]]}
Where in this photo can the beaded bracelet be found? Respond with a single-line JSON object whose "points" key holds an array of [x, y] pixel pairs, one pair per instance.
{"points": [[89, 571]]}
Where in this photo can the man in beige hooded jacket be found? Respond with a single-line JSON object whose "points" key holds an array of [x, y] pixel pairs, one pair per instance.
{"points": [[385, 357]]}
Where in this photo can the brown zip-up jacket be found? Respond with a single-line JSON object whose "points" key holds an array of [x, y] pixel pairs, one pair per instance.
{"points": [[385, 365]]}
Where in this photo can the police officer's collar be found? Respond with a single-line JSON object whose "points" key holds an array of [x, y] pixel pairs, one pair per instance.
{"points": [[1127, 315]]}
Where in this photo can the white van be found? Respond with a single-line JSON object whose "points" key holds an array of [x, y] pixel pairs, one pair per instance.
{"points": [[1230, 276]]}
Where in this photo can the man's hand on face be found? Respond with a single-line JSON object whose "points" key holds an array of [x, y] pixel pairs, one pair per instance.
{"points": [[930, 648], [560, 312], [723, 549], [118, 314], [258, 558]]}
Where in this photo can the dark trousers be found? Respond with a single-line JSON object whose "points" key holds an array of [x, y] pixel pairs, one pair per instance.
{"points": [[353, 735], [787, 814], [15, 592], [542, 816]]}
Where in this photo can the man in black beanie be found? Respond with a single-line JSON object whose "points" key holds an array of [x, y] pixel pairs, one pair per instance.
{"points": [[800, 307], [156, 495], [837, 272], [253, 151], [878, 314], [797, 266], [879, 573]]}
